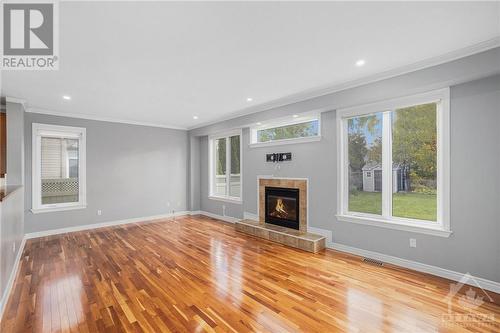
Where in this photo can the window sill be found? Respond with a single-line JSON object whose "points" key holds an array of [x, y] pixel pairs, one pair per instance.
{"points": [[226, 199], [285, 142], [56, 209], [397, 225]]}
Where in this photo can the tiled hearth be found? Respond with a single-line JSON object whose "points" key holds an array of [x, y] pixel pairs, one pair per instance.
{"points": [[283, 217]]}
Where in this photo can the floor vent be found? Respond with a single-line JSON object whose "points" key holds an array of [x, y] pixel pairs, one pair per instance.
{"points": [[373, 261]]}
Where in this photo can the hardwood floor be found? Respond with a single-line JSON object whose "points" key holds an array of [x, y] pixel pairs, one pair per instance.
{"points": [[196, 274]]}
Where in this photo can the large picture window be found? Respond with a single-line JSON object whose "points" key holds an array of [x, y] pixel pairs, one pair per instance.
{"points": [[58, 168], [393, 163], [225, 166]]}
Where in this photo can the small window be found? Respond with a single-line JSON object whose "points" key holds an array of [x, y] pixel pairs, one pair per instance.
{"points": [[225, 166], [293, 129], [58, 168], [405, 143]]}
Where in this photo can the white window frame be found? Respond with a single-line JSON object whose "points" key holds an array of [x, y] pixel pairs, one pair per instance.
{"points": [[441, 227], [211, 168], [285, 121], [55, 131]]}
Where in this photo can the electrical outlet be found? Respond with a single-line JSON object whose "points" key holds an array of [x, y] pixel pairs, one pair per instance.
{"points": [[99, 212], [14, 247], [413, 242], [223, 210]]}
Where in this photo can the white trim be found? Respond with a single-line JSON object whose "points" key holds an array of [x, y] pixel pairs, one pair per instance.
{"points": [[442, 228], [229, 219], [330, 89], [386, 165], [323, 232], [102, 225], [397, 224], [99, 118], [12, 278], [283, 142], [79, 133], [211, 165], [416, 266], [250, 216], [234, 200], [21, 101], [58, 208]]}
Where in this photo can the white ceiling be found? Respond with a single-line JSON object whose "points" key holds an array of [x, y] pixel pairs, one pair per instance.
{"points": [[162, 63]]}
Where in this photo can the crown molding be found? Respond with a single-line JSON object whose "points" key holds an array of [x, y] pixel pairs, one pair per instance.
{"points": [[99, 118], [329, 89], [16, 100]]}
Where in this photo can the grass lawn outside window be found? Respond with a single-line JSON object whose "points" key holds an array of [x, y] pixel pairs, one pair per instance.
{"points": [[418, 205]]}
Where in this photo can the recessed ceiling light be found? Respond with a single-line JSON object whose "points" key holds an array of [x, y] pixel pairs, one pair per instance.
{"points": [[66, 97], [360, 62], [259, 123], [295, 115], [195, 117], [249, 99]]}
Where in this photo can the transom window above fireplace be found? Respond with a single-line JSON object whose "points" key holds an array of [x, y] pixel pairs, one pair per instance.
{"points": [[225, 166], [303, 127]]}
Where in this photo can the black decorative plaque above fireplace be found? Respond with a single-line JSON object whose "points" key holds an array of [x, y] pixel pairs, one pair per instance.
{"points": [[282, 206]]}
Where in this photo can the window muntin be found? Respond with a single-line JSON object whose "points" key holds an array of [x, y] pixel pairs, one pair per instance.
{"points": [[290, 131], [225, 166], [58, 168], [434, 219]]}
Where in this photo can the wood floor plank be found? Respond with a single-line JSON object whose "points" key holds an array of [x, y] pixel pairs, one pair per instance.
{"points": [[196, 274]]}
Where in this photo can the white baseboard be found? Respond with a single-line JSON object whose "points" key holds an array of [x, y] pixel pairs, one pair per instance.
{"points": [[101, 225], [322, 232], [12, 278], [229, 219], [417, 266], [250, 216]]}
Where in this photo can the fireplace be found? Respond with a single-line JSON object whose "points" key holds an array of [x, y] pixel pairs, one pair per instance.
{"points": [[282, 206]]}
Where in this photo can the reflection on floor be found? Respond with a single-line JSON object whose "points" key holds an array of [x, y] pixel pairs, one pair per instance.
{"points": [[197, 274]]}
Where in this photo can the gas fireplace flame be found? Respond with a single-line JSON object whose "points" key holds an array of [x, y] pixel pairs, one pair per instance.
{"points": [[280, 208]]}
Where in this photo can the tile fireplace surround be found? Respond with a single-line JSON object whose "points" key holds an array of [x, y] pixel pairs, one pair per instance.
{"points": [[300, 184], [300, 239]]}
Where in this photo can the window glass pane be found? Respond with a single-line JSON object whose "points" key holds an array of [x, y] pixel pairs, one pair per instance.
{"points": [[365, 164], [414, 157], [59, 158], [310, 128], [220, 167], [235, 179]]}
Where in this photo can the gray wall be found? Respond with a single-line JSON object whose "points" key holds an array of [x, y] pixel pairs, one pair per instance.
{"points": [[11, 236], [15, 144], [475, 184], [132, 171], [12, 206]]}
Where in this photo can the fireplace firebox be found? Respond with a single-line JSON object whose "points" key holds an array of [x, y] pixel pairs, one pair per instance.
{"points": [[282, 206]]}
